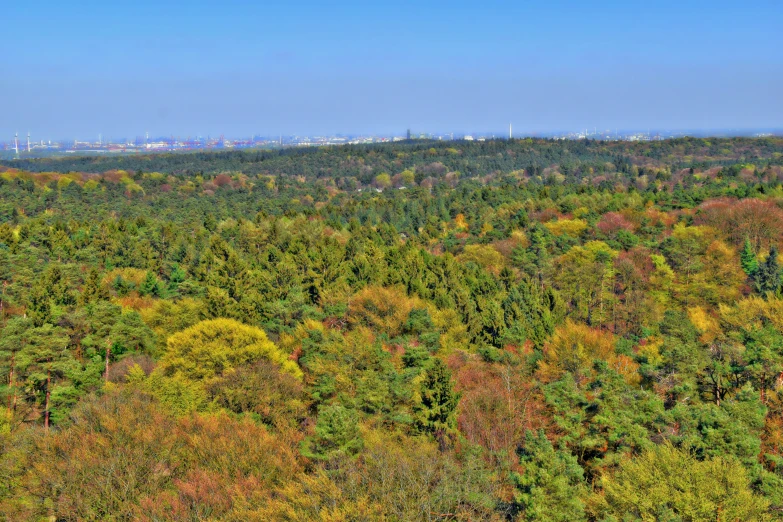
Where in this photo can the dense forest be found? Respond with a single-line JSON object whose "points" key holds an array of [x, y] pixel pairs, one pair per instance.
{"points": [[530, 330]]}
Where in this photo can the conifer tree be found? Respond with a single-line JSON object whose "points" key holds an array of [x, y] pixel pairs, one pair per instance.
{"points": [[13, 336], [435, 414], [43, 362], [767, 276], [39, 305], [151, 286], [551, 486], [336, 433], [93, 289], [748, 259]]}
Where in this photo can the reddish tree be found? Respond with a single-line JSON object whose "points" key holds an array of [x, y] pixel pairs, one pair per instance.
{"points": [[498, 405], [221, 180], [612, 222], [755, 219]]}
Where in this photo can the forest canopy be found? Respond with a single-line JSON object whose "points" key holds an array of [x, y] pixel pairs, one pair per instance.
{"points": [[501, 330]]}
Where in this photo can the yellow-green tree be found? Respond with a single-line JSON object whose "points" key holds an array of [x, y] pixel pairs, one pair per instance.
{"points": [[666, 483], [721, 275], [384, 309], [383, 180], [586, 274], [483, 255], [212, 348], [573, 349], [569, 227]]}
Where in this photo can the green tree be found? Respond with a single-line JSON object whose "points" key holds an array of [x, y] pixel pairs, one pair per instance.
{"points": [[151, 286], [176, 278], [748, 259], [39, 305], [767, 276], [763, 357], [529, 313], [114, 333], [93, 289], [733, 428], [551, 486], [336, 433], [13, 337], [130, 334], [435, 411], [45, 364]]}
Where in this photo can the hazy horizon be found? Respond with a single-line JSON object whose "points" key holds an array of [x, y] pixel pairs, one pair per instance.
{"points": [[416, 133], [241, 70]]}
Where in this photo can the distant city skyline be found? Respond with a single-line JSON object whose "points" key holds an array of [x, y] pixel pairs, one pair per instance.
{"points": [[29, 147], [79, 69], [415, 133]]}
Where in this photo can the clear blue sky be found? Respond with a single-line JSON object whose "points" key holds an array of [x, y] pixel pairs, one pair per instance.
{"points": [[254, 67]]}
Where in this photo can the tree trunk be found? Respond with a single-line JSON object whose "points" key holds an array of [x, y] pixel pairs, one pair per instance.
{"points": [[440, 436], [48, 394], [12, 385], [717, 391], [108, 355]]}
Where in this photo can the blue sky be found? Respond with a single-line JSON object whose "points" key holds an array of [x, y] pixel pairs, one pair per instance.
{"points": [[76, 69]]}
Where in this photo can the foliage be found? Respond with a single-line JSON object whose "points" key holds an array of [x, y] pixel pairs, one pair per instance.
{"points": [[665, 483], [750, 262], [435, 411], [210, 349], [336, 433], [532, 330], [574, 348], [767, 275], [550, 487]]}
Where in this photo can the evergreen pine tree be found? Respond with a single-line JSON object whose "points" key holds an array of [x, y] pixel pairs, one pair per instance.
{"points": [[93, 289], [39, 305], [435, 414], [748, 259], [767, 276], [177, 276], [44, 362], [551, 486], [336, 433], [150, 286]]}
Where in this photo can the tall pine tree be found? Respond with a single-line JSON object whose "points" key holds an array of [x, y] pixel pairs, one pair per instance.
{"points": [[551, 487], [45, 364], [767, 277], [435, 413], [748, 259]]}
